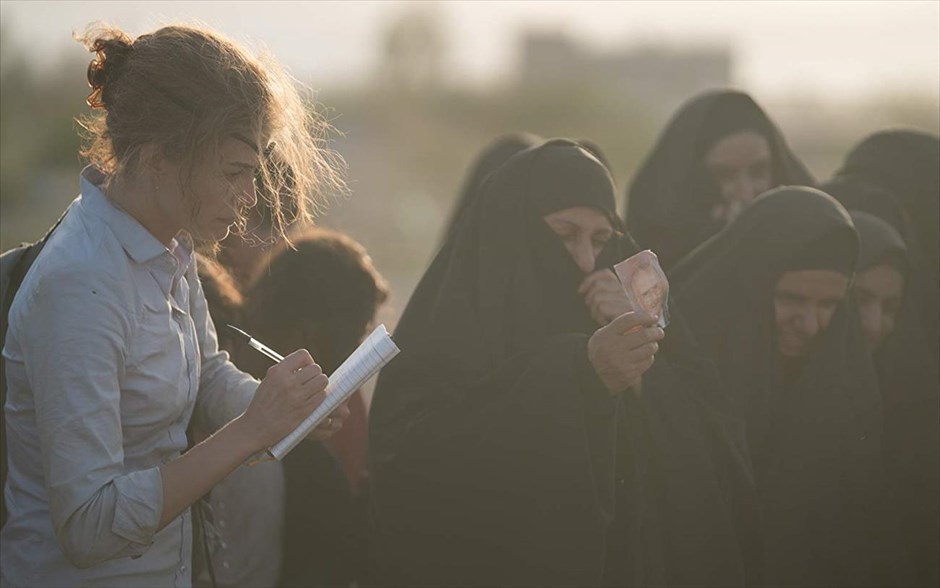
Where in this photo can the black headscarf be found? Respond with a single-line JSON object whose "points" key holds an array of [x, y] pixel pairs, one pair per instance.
{"points": [[595, 150], [906, 165], [491, 437], [857, 195], [670, 199], [907, 373], [489, 160], [815, 441], [879, 243]]}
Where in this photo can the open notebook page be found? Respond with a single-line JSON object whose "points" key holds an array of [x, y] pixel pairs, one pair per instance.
{"points": [[366, 361]]}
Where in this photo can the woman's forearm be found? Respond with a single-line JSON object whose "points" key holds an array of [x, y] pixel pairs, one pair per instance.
{"points": [[291, 390], [186, 479]]}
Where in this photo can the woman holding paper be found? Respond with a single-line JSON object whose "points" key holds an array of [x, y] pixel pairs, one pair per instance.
{"points": [[110, 351], [494, 434]]}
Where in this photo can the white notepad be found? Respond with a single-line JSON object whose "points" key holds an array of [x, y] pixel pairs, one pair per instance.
{"points": [[377, 350]]}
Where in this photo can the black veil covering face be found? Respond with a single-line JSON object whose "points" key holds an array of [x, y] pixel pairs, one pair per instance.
{"points": [[489, 160], [670, 199], [816, 440], [906, 165], [492, 439], [907, 373]]}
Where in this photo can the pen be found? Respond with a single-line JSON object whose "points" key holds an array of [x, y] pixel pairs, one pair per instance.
{"points": [[258, 345]]}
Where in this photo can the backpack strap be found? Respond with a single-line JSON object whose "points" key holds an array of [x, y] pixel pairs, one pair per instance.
{"points": [[18, 271], [21, 264]]}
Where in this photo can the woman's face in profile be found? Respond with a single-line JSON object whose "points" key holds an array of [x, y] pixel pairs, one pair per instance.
{"points": [[223, 186], [584, 231], [740, 166]]}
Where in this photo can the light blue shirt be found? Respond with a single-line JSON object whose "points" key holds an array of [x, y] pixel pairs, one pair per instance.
{"points": [[110, 353], [246, 528]]}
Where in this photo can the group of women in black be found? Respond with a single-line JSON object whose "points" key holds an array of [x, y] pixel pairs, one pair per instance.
{"points": [[781, 429]]}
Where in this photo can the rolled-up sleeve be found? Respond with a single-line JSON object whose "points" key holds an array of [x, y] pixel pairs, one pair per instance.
{"points": [[224, 390], [76, 324]]}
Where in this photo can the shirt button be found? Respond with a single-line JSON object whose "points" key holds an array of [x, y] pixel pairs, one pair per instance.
{"points": [[222, 524], [224, 545], [225, 565], [182, 568]]}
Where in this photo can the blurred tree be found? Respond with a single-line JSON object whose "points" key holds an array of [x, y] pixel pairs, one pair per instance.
{"points": [[409, 137], [14, 79], [38, 140], [413, 50]]}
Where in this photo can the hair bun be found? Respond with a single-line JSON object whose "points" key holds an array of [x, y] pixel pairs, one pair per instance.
{"points": [[110, 57]]}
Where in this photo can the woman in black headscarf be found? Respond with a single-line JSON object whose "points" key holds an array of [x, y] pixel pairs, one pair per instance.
{"points": [[489, 160], [766, 298], [493, 443], [904, 164], [907, 373], [492, 434], [716, 154]]}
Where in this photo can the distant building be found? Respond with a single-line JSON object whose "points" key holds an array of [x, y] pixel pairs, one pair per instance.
{"points": [[654, 76]]}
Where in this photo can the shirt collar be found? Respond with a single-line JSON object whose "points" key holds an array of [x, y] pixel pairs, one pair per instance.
{"points": [[182, 250], [136, 240]]}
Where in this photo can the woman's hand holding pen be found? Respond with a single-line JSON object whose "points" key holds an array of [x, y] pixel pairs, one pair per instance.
{"points": [[290, 391]]}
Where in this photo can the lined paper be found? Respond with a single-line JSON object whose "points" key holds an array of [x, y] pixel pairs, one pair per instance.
{"points": [[377, 350]]}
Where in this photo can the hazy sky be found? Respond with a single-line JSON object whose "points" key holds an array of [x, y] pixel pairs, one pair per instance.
{"points": [[829, 49]]}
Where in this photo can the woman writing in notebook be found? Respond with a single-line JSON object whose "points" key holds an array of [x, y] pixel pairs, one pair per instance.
{"points": [[111, 351]]}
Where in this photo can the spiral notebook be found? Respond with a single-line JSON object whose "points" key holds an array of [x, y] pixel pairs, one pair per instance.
{"points": [[377, 350]]}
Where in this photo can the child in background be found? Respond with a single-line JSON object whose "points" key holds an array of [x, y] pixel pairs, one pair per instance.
{"points": [[309, 511]]}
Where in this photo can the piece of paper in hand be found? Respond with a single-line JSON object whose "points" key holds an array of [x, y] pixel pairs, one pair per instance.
{"points": [[646, 285], [377, 350]]}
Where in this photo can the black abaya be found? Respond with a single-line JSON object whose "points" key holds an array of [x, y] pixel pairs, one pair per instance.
{"points": [[491, 437], [908, 377], [815, 437]]}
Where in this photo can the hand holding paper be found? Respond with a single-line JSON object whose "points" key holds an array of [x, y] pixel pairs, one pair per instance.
{"points": [[604, 296], [366, 361], [645, 284]]}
